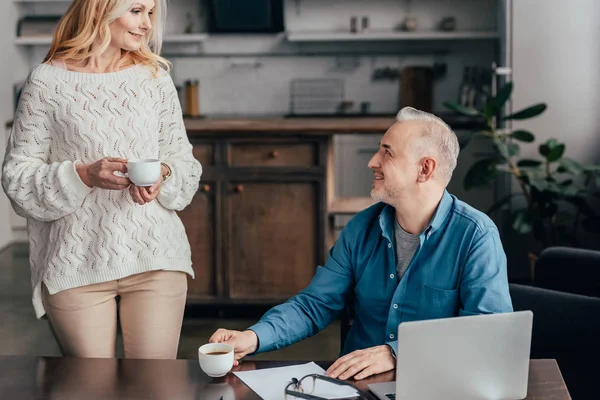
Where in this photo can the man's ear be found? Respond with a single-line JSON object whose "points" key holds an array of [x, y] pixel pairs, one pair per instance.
{"points": [[427, 167]]}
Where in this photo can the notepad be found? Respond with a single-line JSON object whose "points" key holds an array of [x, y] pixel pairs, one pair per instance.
{"points": [[270, 383]]}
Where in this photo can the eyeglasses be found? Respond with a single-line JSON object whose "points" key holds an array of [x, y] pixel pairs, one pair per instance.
{"points": [[297, 390]]}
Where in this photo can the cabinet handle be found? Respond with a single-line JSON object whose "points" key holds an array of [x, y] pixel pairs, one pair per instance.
{"points": [[238, 188], [205, 188], [273, 154]]}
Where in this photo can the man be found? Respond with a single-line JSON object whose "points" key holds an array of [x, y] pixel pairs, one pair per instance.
{"points": [[418, 254]]}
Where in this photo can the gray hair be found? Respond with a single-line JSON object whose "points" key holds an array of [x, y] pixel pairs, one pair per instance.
{"points": [[438, 136]]}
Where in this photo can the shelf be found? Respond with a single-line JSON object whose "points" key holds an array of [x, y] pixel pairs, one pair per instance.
{"points": [[47, 40], [388, 35]]}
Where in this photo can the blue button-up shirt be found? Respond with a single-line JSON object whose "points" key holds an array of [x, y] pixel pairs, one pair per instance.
{"points": [[459, 269]]}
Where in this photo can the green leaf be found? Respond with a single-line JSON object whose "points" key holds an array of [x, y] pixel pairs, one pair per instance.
{"points": [[523, 136], [567, 182], [523, 221], [591, 168], [556, 153], [528, 112], [468, 111], [569, 190], [526, 162], [495, 104], [552, 143], [507, 150], [500, 203], [540, 184], [481, 173], [571, 166]]}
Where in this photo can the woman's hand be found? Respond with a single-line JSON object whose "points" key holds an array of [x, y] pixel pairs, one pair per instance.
{"points": [[101, 174], [145, 194]]}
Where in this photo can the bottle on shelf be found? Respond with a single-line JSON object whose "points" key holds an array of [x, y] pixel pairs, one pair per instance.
{"points": [[192, 100]]}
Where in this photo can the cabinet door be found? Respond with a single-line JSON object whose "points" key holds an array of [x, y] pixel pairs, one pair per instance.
{"points": [[273, 236], [199, 221]]}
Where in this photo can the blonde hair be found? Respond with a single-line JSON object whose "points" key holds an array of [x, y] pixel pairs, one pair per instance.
{"points": [[437, 136], [88, 20]]}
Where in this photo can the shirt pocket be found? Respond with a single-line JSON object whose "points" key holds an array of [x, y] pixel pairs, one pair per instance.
{"points": [[437, 303]]}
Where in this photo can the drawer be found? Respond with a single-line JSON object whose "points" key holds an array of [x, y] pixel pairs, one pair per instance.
{"points": [[273, 155], [204, 153]]}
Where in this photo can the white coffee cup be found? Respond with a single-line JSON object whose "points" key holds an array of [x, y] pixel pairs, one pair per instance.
{"points": [[143, 172], [216, 365]]}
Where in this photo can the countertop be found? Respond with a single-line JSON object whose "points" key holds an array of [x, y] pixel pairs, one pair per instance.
{"points": [[281, 125], [307, 125]]}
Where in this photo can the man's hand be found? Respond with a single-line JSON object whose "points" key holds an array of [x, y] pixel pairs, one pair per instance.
{"points": [[243, 342], [363, 363]]}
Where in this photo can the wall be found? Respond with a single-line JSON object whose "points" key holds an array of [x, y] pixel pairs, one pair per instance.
{"points": [[555, 60]]}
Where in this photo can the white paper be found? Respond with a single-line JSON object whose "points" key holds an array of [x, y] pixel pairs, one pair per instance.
{"points": [[270, 383]]}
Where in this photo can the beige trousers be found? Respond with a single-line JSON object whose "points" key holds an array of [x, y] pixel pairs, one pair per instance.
{"points": [[150, 311]]}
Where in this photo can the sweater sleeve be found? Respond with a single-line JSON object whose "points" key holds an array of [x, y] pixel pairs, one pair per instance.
{"points": [[37, 188], [175, 150]]}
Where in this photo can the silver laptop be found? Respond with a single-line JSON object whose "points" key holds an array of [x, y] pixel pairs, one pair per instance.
{"points": [[475, 357]]}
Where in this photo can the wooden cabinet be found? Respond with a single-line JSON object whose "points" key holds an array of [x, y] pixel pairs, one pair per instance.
{"points": [[272, 242], [257, 224], [199, 221]]}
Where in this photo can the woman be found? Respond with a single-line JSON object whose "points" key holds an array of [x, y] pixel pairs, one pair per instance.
{"points": [[103, 96]]}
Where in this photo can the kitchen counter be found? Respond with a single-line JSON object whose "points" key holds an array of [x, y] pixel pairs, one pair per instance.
{"points": [[309, 126], [298, 126]]}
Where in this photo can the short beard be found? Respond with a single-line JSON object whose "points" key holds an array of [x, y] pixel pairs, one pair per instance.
{"points": [[384, 195]]}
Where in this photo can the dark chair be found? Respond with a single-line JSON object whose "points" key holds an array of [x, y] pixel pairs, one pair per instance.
{"points": [[566, 327], [569, 269]]}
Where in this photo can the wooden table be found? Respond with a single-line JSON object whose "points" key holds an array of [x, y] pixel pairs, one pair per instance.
{"points": [[27, 377]]}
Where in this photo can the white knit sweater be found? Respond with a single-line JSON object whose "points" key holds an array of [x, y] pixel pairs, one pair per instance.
{"points": [[79, 235]]}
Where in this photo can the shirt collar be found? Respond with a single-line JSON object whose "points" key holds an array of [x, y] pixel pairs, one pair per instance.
{"points": [[388, 214]]}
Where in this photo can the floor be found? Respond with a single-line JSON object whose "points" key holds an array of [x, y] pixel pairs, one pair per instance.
{"points": [[22, 333]]}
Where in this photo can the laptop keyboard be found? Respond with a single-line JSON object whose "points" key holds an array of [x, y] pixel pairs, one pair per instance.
{"points": [[391, 396]]}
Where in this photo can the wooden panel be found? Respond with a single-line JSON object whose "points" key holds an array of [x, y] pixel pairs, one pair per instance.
{"points": [[199, 221], [204, 153], [273, 155], [273, 233]]}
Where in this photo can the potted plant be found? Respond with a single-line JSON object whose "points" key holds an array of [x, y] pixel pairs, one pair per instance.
{"points": [[556, 189]]}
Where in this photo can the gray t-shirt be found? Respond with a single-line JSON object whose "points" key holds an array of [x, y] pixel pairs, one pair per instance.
{"points": [[406, 245]]}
